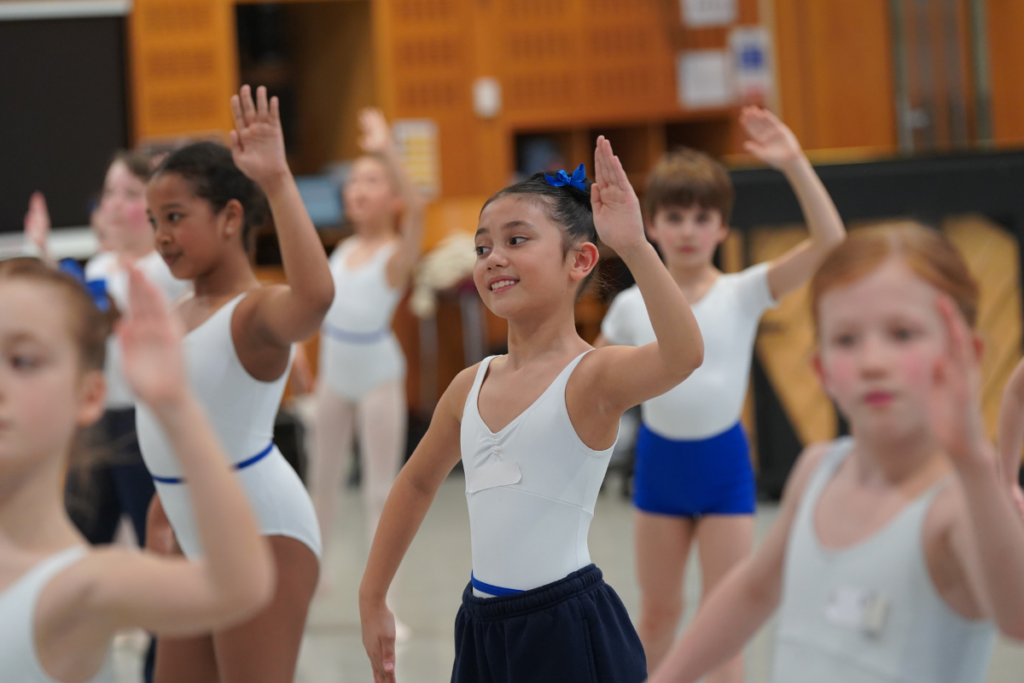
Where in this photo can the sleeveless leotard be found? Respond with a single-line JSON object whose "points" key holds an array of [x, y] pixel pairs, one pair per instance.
{"points": [[19, 662], [869, 613], [241, 411], [531, 489], [358, 350]]}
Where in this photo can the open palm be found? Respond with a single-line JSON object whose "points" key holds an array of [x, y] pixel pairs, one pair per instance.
{"points": [[257, 143], [617, 214], [376, 133], [150, 338], [769, 138], [37, 221]]}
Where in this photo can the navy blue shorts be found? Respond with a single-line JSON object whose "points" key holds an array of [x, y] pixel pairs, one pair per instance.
{"points": [[709, 476], [575, 630]]}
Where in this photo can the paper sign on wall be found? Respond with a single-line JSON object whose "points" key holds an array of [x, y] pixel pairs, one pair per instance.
{"points": [[704, 78], [752, 71], [701, 13], [417, 143]]}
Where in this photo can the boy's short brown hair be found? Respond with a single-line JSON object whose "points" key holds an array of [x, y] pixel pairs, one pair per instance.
{"points": [[687, 177]]}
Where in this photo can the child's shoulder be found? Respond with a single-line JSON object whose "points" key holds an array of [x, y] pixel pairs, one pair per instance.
{"points": [[813, 458], [457, 393]]}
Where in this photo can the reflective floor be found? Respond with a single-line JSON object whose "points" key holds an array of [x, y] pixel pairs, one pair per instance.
{"points": [[429, 587]]}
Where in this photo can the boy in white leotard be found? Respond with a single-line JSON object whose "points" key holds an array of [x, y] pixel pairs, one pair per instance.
{"points": [[693, 476], [61, 600], [534, 430], [204, 200], [897, 553], [362, 367]]}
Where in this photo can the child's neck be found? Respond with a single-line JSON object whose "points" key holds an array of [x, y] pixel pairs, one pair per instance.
{"points": [[375, 232], [32, 516], [536, 337], [230, 277], [897, 462], [692, 277]]}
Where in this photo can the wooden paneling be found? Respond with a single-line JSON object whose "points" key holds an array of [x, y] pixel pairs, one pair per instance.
{"points": [[183, 67], [835, 74], [1006, 62]]}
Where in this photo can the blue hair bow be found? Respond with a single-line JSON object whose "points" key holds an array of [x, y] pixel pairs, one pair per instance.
{"points": [[97, 289], [561, 179]]}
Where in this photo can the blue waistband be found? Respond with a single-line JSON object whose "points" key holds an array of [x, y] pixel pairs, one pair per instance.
{"points": [[496, 591], [350, 337], [237, 466]]}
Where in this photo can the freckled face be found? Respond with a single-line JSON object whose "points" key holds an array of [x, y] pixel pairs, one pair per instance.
{"points": [[520, 262], [190, 236], [687, 236], [880, 340], [41, 398]]}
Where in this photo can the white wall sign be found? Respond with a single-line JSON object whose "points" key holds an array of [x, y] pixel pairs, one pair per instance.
{"points": [[704, 79], [417, 142], [701, 13], [750, 57]]}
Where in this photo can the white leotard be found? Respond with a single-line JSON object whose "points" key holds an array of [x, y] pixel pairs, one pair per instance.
{"points": [[106, 266], [869, 613], [19, 660], [531, 490], [711, 399], [241, 411], [358, 350]]}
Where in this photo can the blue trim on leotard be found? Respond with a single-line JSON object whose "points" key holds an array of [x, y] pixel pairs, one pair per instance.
{"points": [[350, 337], [692, 478], [237, 466], [496, 591]]}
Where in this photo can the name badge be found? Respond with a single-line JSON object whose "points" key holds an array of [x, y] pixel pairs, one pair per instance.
{"points": [[858, 608]]}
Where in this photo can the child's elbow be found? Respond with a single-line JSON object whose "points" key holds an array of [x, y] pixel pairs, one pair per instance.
{"points": [[1014, 629], [693, 359]]}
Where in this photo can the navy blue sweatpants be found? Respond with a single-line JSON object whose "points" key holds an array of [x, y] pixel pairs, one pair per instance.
{"points": [[573, 631]]}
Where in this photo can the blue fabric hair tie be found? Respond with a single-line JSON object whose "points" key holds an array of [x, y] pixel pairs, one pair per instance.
{"points": [[561, 179], [97, 289]]}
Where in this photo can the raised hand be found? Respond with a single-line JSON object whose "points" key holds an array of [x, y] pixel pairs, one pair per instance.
{"points": [[150, 338], [257, 143], [770, 139], [37, 222], [617, 215], [955, 408], [376, 133]]}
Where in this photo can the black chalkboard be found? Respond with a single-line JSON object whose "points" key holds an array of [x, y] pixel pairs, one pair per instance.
{"points": [[63, 113]]}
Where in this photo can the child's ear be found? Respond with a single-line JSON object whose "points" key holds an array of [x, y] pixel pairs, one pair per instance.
{"points": [[650, 232], [233, 217], [819, 370], [585, 259], [92, 398]]}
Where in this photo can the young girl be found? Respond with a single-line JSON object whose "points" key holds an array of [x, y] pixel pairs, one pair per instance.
{"points": [[897, 553], [120, 484], [60, 601], [362, 368], [534, 430], [693, 478], [203, 201]]}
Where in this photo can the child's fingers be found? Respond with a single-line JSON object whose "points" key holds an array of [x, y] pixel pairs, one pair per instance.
{"points": [[236, 112], [275, 110], [236, 141], [262, 106], [248, 108], [956, 331]]}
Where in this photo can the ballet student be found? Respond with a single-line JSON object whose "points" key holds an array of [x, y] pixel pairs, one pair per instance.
{"points": [[897, 553], [119, 483], [204, 200], [61, 601], [534, 430], [362, 368], [693, 477]]}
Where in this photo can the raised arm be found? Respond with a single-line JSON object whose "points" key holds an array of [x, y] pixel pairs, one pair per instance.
{"points": [[745, 599], [406, 506], [773, 143], [377, 140], [990, 541], [285, 313], [37, 224], [1011, 433], [626, 376], [236, 576]]}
